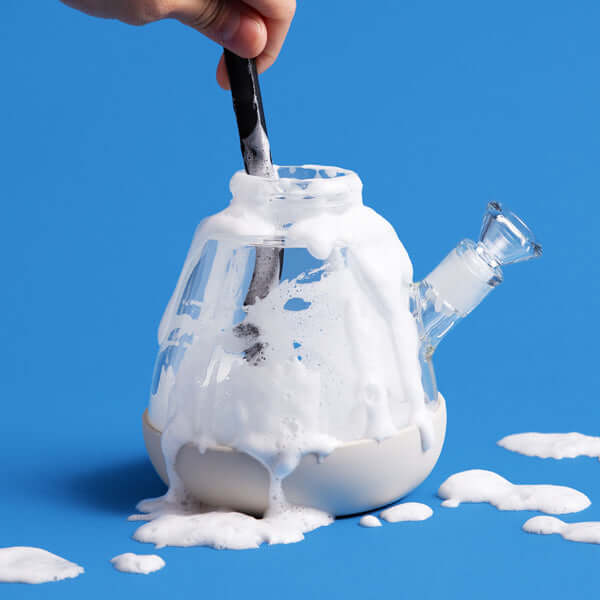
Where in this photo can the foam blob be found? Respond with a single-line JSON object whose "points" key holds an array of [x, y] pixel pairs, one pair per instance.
{"points": [[586, 532], [137, 563], [24, 564], [407, 511], [479, 485], [552, 445], [369, 521]]}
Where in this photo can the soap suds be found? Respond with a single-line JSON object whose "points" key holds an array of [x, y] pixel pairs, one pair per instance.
{"points": [[407, 511], [137, 563], [345, 367], [369, 521], [587, 532], [552, 445], [485, 486], [184, 524], [24, 564]]}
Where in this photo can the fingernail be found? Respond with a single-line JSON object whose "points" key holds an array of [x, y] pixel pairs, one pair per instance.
{"points": [[259, 25]]}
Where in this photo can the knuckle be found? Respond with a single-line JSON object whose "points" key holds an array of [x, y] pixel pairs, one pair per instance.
{"points": [[148, 11], [212, 15]]}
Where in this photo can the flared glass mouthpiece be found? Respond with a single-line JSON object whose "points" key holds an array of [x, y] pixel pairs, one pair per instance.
{"points": [[505, 238], [470, 272]]}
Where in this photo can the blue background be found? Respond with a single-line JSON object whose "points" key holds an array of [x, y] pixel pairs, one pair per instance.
{"points": [[116, 141]]}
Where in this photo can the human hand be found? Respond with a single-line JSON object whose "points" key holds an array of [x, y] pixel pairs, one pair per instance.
{"points": [[249, 28]]}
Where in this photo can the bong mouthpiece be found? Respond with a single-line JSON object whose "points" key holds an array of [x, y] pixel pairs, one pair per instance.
{"points": [[472, 270], [505, 238]]}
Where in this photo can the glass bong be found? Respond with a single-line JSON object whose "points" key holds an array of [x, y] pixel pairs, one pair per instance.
{"points": [[289, 346]]}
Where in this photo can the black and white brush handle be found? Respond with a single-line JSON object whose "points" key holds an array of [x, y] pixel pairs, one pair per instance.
{"points": [[256, 151], [248, 107]]}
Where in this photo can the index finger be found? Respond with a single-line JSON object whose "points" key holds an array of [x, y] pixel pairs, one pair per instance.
{"points": [[278, 15]]}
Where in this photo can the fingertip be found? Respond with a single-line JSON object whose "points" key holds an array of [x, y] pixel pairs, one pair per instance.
{"points": [[264, 61], [250, 38]]}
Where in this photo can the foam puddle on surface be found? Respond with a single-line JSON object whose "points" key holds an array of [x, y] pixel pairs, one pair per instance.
{"points": [[407, 511], [137, 563], [186, 524], [552, 445], [24, 564], [586, 532], [486, 486]]}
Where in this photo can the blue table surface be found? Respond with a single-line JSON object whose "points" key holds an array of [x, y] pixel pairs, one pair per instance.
{"points": [[115, 141]]}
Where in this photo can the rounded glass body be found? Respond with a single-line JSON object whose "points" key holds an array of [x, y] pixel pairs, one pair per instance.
{"points": [[291, 325]]}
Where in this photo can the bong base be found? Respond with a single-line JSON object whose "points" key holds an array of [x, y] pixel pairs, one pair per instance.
{"points": [[356, 477]]}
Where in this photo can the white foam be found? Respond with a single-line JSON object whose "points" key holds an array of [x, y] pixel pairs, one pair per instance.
{"points": [[552, 445], [369, 521], [178, 524], [24, 564], [485, 486], [587, 532], [345, 368], [137, 563], [356, 389], [407, 511]]}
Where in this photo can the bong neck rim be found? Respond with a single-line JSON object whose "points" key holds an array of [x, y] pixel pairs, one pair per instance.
{"points": [[299, 187]]}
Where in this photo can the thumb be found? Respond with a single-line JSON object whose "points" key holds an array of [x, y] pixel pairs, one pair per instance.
{"points": [[230, 23]]}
